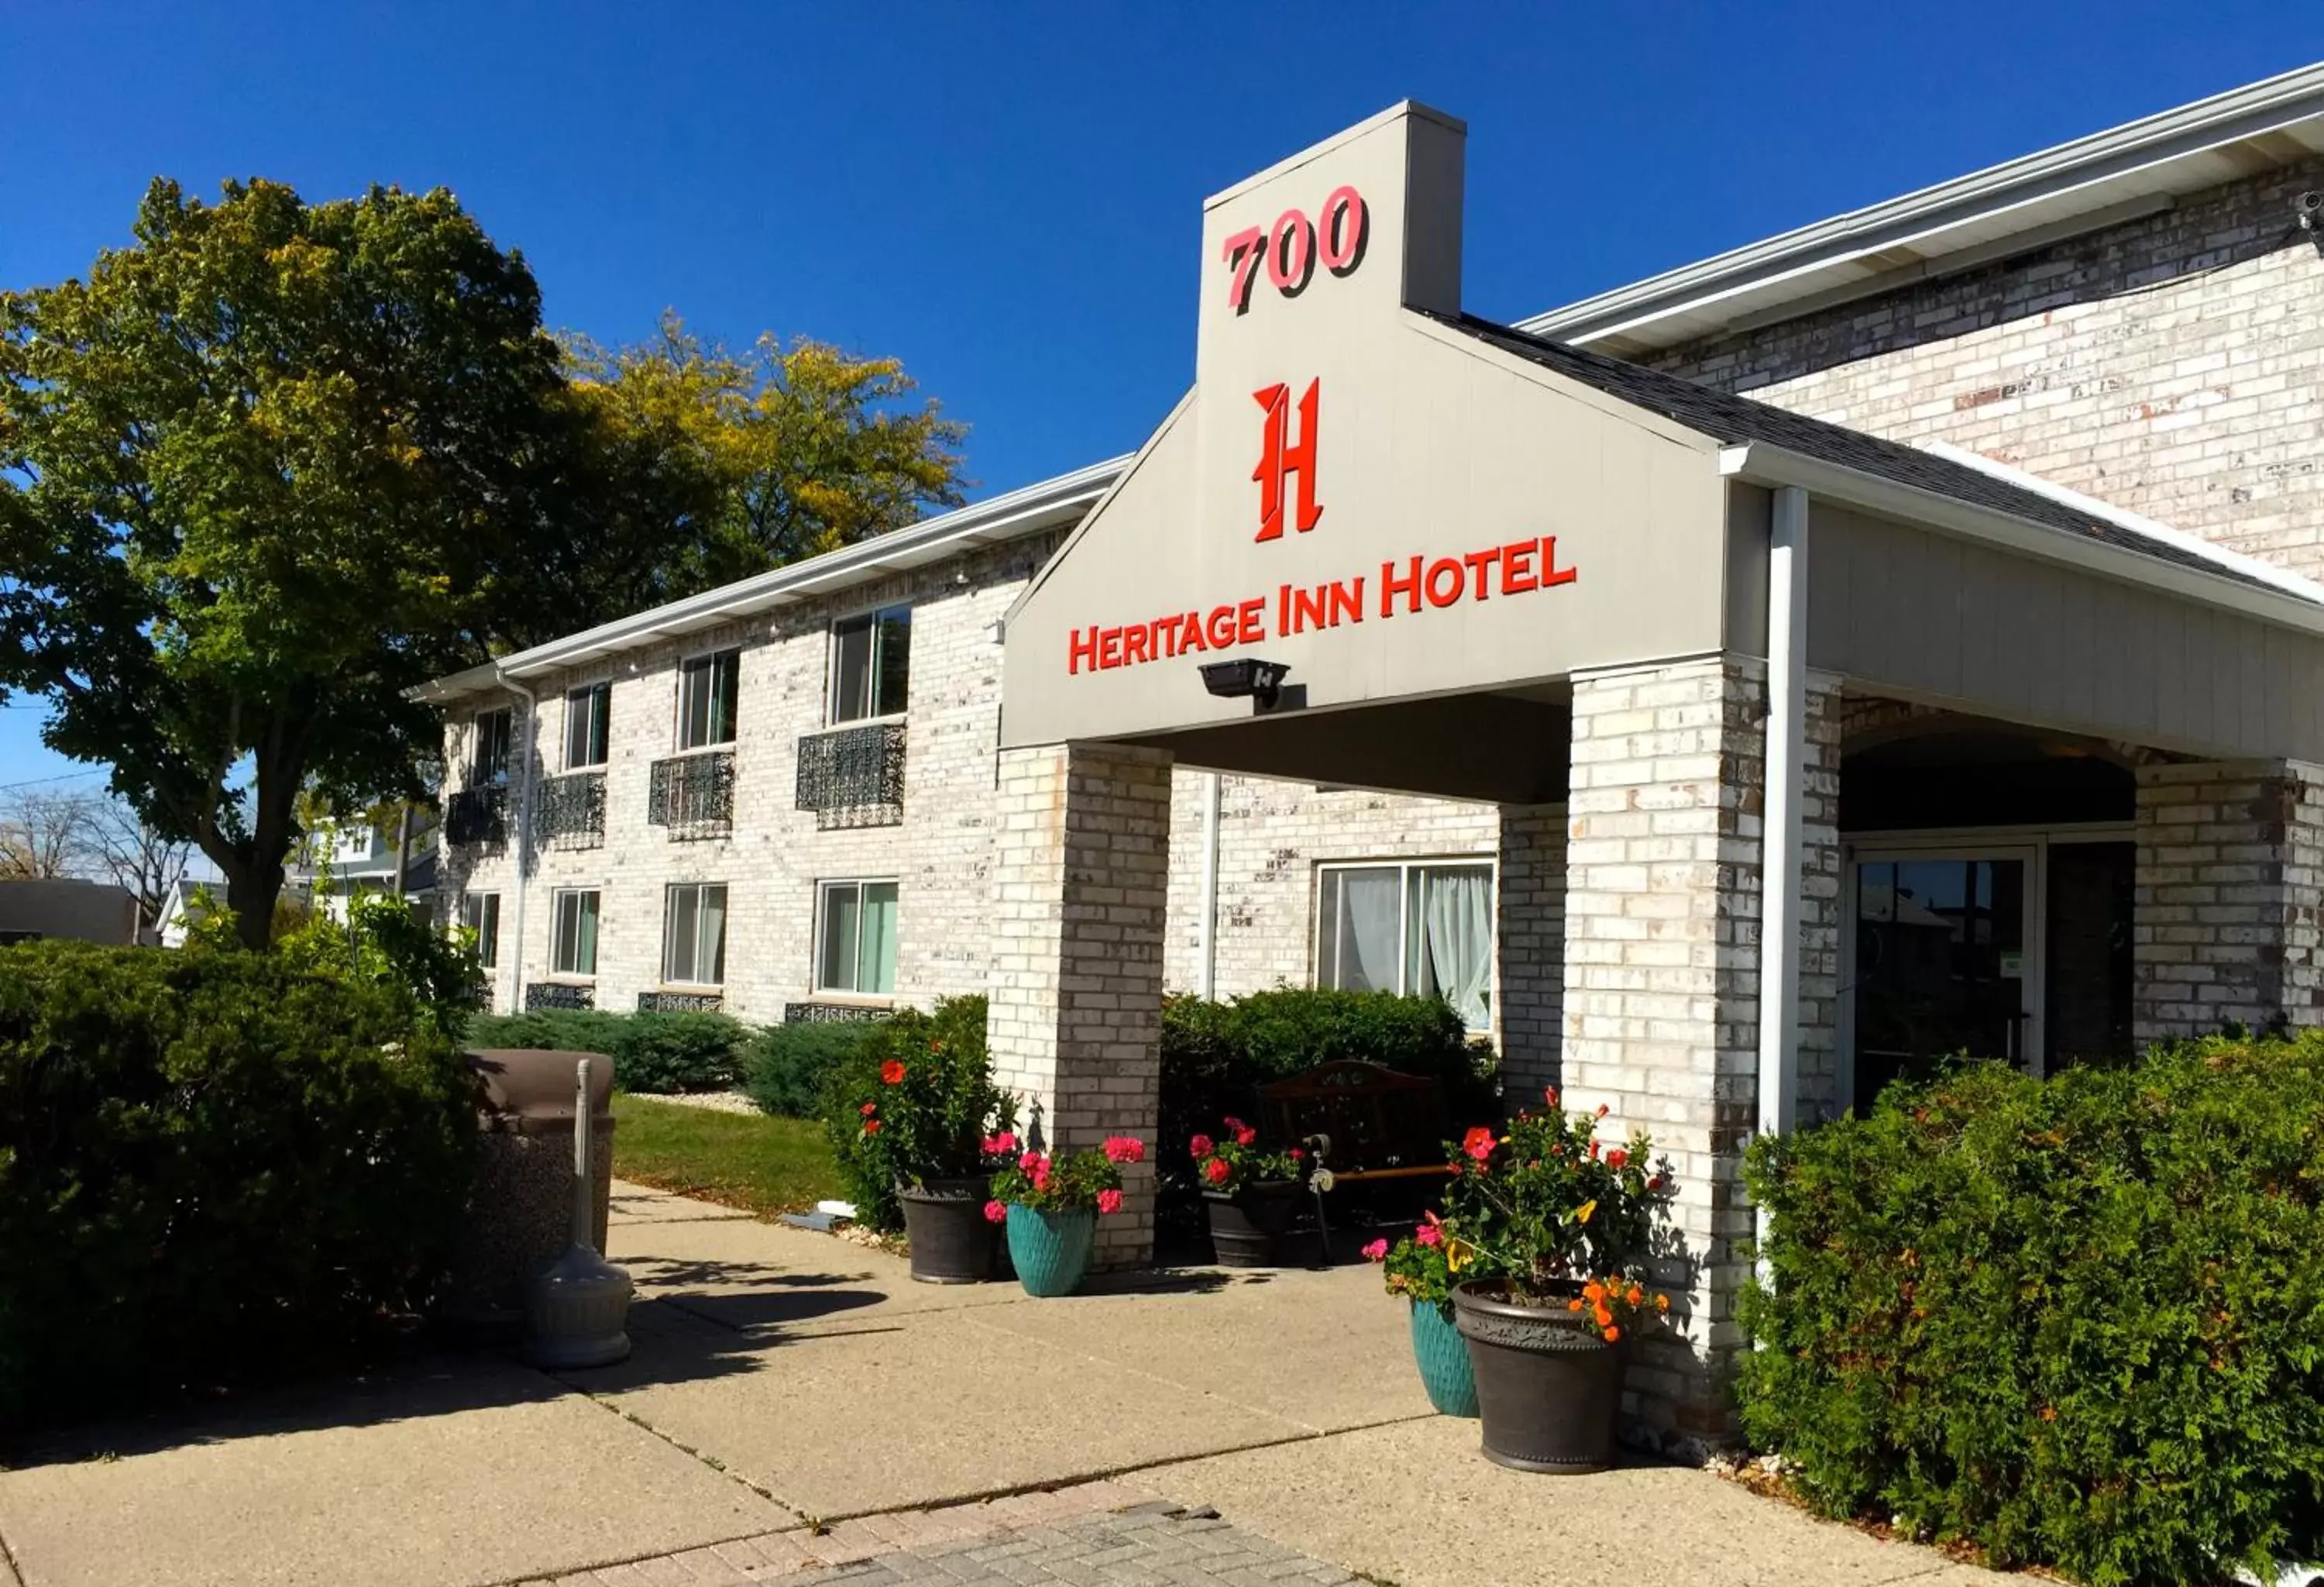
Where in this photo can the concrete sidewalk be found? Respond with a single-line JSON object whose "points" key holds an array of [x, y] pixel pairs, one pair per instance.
{"points": [[794, 1405]]}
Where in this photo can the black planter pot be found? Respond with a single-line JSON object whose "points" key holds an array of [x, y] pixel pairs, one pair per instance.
{"points": [[953, 1243], [1549, 1391], [1247, 1225]]}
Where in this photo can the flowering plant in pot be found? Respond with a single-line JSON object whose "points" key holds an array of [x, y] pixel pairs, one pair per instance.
{"points": [[926, 1107], [1419, 1268], [1050, 1206], [1252, 1193], [1545, 1234]]}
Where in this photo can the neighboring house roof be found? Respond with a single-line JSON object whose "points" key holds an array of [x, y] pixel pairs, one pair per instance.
{"points": [[1740, 421], [1051, 503], [2138, 169]]}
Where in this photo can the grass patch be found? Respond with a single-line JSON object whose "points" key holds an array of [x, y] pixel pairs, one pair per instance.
{"points": [[749, 1160]]}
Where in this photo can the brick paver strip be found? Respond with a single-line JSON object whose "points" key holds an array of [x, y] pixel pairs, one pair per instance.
{"points": [[1090, 1535]]}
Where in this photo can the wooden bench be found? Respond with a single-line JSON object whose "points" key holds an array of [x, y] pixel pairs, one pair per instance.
{"points": [[1381, 1124]]}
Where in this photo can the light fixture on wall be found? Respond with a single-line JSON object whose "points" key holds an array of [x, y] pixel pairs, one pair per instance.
{"points": [[1246, 678]]}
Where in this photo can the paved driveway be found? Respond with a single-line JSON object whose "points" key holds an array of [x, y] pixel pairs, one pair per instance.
{"points": [[794, 1405]]}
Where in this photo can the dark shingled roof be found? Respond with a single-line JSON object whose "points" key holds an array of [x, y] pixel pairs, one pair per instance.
{"points": [[1734, 421]]}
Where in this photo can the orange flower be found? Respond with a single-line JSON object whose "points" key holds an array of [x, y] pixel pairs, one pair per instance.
{"points": [[1593, 1291], [1605, 1318], [1662, 1303], [1613, 1335], [1635, 1296], [1573, 1306]]}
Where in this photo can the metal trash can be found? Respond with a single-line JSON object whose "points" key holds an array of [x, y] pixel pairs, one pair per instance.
{"points": [[522, 1218]]}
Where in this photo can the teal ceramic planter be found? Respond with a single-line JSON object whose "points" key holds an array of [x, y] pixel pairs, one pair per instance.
{"points": [[1443, 1357], [1051, 1250]]}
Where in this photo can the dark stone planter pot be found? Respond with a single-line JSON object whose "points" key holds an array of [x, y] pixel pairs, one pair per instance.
{"points": [[953, 1243], [1247, 1225], [1548, 1389]]}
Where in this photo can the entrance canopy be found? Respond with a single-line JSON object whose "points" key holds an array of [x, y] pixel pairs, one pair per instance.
{"points": [[1429, 524]]}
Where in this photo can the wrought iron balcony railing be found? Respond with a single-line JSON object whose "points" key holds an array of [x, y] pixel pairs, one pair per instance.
{"points": [[477, 816], [559, 994], [693, 795], [854, 777], [569, 811], [680, 1002], [830, 1014]]}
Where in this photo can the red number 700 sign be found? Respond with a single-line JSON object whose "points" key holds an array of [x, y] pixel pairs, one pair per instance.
{"points": [[1296, 246]]}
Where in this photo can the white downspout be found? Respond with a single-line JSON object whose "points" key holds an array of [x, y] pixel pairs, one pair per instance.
{"points": [[1779, 854], [521, 836], [1207, 940]]}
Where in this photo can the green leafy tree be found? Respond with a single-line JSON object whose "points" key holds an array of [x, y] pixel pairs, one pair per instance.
{"points": [[265, 470], [725, 465]]}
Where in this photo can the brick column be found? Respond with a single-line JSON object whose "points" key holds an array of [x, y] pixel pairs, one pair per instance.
{"points": [[1529, 939], [2230, 882], [1081, 861], [1661, 1012], [1822, 899]]}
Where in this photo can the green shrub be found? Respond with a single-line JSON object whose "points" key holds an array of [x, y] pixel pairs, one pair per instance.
{"points": [[2077, 1323], [784, 1067], [1215, 1056], [946, 1046], [651, 1052], [214, 1167]]}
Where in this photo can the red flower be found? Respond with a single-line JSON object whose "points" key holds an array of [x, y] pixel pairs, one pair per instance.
{"points": [[1201, 1146], [868, 1109], [1477, 1143], [1245, 1136], [1550, 1096], [1298, 1154], [1235, 1126], [1602, 1109], [1109, 1201], [1593, 1147], [1033, 1162], [892, 1072], [870, 1126], [1617, 1158], [1124, 1148], [1217, 1170], [995, 1213]]}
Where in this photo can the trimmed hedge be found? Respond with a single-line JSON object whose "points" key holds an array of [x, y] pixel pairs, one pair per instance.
{"points": [[2077, 1323], [213, 1166], [1215, 1056], [651, 1052], [786, 1067]]}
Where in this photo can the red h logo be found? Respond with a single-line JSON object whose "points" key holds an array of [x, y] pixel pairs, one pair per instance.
{"points": [[1279, 458]]}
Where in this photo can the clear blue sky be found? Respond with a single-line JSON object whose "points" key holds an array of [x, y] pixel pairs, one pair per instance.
{"points": [[1008, 197]]}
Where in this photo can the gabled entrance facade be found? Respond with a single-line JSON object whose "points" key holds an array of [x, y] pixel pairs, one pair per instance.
{"points": [[1686, 643]]}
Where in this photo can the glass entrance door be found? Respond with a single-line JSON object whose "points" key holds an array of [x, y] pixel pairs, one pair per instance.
{"points": [[1944, 961]]}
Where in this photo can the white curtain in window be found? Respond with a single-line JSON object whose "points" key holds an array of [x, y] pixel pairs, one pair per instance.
{"points": [[1458, 907], [1371, 930], [710, 962]]}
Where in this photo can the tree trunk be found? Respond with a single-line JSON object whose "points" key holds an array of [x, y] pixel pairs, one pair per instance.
{"points": [[251, 889]]}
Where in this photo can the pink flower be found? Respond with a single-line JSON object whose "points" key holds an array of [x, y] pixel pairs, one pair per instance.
{"points": [[995, 1213], [1030, 1162], [1235, 1126], [1125, 1149], [1217, 1170], [1376, 1252], [1245, 1136], [1298, 1155], [1202, 1145], [1000, 1145], [1429, 1235], [1109, 1201], [1477, 1143], [1041, 1179]]}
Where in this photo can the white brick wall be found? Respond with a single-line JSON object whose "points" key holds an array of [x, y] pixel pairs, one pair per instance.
{"points": [[2173, 365]]}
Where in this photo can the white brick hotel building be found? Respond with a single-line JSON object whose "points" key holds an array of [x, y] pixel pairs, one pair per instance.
{"points": [[1951, 556]]}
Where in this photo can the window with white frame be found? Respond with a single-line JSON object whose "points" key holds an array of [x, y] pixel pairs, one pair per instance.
{"points": [[693, 934], [480, 912], [490, 763], [1422, 926], [588, 725], [855, 937], [573, 932], [708, 688], [870, 664]]}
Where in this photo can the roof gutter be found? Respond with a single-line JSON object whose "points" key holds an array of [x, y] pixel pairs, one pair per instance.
{"points": [[2241, 113], [1758, 463], [1003, 517]]}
